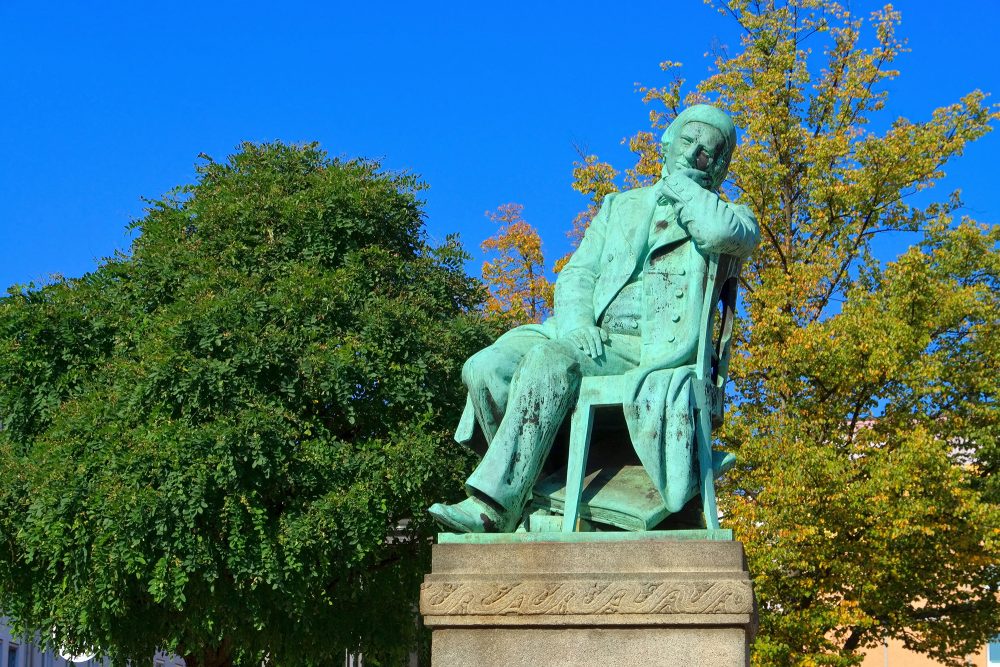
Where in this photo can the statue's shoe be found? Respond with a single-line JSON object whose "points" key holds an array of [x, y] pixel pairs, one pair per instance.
{"points": [[472, 515]]}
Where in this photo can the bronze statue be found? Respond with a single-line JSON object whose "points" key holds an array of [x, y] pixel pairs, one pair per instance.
{"points": [[627, 304]]}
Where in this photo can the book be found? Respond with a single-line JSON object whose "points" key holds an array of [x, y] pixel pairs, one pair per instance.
{"points": [[621, 495]]}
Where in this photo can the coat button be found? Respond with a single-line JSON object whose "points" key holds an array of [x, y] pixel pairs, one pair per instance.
{"points": [[680, 272], [679, 293], [671, 339], [675, 318], [611, 258]]}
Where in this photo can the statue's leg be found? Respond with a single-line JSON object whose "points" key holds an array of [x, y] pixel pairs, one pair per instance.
{"points": [[521, 389], [488, 375], [543, 388]]}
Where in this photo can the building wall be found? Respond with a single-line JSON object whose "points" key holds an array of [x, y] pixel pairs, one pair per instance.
{"points": [[894, 655], [17, 652]]}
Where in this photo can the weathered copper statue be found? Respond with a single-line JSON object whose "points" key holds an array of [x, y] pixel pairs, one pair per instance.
{"points": [[628, 304]]}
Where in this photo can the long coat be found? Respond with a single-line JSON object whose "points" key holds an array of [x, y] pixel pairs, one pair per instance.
{"points": [[667, 245]]}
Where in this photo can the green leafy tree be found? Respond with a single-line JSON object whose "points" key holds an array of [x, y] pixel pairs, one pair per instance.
{"points": [[865, 414], [222, 444]]}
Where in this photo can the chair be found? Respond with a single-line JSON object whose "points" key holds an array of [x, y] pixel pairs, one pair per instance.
{"points": [[711, 371]]}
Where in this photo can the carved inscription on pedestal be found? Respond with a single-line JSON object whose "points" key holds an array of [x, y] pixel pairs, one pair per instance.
{"points": [[585, 597]]}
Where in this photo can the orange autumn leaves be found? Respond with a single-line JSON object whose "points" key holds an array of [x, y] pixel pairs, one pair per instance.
{"points": [[519, 291]]}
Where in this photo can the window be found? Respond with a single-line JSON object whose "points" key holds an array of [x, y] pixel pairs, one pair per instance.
{"points": [[12, 655], [993, 652]]}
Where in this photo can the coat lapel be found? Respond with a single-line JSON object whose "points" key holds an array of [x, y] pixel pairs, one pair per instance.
{"points": [[664, 229], [644, 226], [632, 219]]}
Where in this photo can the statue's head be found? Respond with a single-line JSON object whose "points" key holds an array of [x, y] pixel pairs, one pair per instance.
{"points": [[701, 137]]}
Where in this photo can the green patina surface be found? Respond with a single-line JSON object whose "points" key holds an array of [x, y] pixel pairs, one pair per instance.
{"points": [[632, 316], [716, 535]]}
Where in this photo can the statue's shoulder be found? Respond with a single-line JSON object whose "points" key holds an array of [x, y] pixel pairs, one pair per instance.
{"points": [[630, 202], [645, 193]]}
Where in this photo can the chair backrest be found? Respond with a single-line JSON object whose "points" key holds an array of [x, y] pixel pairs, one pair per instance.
{"points": [[714, 348]]}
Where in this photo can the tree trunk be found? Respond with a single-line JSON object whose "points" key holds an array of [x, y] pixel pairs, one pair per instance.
{"points": [[210, 656], [853, 640]]}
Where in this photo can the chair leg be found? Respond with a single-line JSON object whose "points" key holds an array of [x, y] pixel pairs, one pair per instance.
{"points": [[581, 425], [703, 429]]}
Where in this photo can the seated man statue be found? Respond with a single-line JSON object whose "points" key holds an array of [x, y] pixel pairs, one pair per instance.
{"points": [[628, 302]]}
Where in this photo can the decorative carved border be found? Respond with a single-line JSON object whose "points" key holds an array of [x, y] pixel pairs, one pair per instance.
{"points": [[585, 597]]}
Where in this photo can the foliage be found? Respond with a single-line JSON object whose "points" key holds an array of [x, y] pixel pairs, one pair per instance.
{"points": [[519, 291], [865, 414], [593, 178], [222, 445]]}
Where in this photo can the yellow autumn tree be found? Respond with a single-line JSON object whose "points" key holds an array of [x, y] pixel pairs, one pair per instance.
{"points": [[864, 394], [519, 291]]}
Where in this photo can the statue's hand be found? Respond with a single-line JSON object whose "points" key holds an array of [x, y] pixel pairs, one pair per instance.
{"points": [[665, 194], [700, 177], [589, 339]]}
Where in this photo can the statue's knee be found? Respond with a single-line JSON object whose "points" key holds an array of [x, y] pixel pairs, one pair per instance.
{"points": [[480, 368], [550, 357], [471, 373]]}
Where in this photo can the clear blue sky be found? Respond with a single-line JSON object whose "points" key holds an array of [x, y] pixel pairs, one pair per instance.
{"points": [[107, 102]]}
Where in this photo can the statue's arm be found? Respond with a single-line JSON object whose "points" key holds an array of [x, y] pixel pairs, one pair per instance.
{"points": [[716, 226], [574, 291]]}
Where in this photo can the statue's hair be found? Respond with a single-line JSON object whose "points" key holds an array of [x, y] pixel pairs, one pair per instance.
{"points": [[717, 118]]}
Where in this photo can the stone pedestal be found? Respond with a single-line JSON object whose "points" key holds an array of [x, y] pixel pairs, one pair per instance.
{"points": [[637, 599]]}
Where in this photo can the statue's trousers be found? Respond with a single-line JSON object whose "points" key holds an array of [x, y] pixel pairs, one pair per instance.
{"points": [[521, 388]]}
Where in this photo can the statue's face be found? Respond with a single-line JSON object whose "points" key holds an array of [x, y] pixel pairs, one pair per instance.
{"points": [[697, 146]]}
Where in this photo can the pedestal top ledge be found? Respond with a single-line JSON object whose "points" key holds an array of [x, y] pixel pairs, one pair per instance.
{"points": [[657, 580]]}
